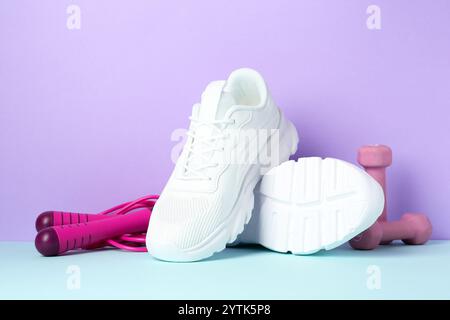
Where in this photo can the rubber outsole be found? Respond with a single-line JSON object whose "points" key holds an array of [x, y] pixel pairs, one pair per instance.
{"points": [[313, 204]]}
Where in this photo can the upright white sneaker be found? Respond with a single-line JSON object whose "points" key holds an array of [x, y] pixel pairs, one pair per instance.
{"points": [[236, 134], [312, 204]]}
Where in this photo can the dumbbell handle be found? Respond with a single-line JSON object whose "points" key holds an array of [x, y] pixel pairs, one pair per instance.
{"points": [[397, 230]]}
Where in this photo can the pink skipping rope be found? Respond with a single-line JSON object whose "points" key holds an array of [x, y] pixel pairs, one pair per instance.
{"points": [[122, 226]]}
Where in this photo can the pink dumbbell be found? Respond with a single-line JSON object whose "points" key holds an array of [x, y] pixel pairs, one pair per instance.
{"points": [[412, 228]]}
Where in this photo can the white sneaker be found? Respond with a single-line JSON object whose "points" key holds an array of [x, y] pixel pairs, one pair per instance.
{"points": [[312, 204], [209, 196]]}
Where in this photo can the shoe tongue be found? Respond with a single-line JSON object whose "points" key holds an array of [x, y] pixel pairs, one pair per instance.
{"points": [[215, 102]]}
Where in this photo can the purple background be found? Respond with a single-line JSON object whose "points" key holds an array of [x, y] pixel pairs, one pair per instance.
{"points": [[86, 115]]}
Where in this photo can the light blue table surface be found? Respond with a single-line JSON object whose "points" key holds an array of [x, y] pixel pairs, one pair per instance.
{"points": [[391, 272]]}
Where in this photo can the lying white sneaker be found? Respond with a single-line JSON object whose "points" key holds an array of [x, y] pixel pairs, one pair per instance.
{"points": [[312, 204], [209, 196]]}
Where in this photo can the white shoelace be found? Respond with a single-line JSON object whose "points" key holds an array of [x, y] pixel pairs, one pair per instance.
{"points": [[207, 145]]}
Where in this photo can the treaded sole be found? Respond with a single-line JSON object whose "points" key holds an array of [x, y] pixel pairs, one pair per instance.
{"points": [[313, 204]]}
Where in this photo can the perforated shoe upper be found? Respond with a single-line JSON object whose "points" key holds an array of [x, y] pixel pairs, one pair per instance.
{"points": [[203, 188]]}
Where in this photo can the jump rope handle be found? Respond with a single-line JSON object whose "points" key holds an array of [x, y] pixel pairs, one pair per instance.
{"points": [[57, 218], [58, 239]]}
